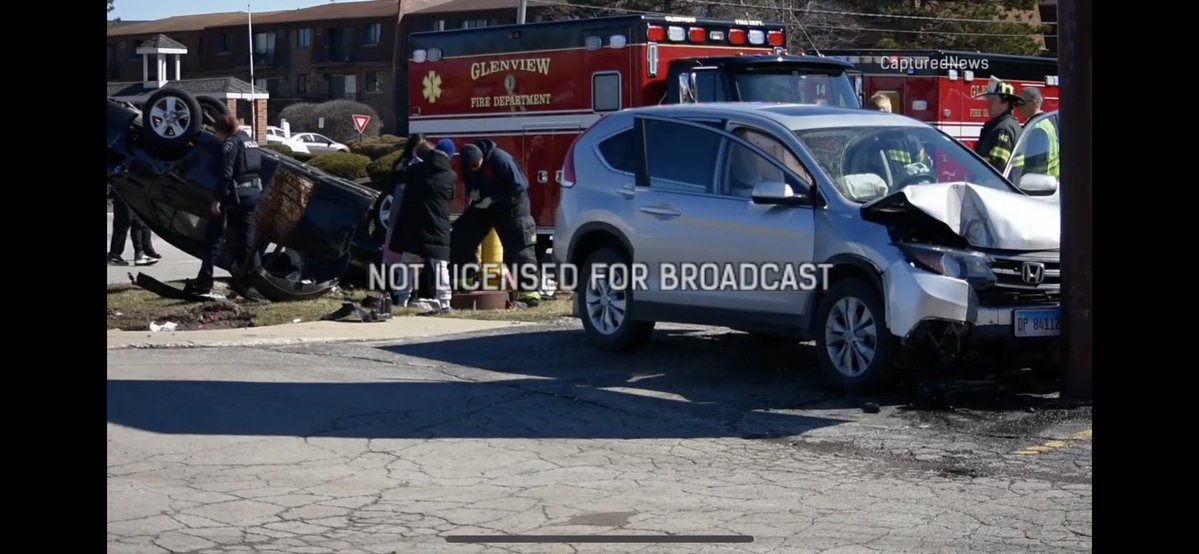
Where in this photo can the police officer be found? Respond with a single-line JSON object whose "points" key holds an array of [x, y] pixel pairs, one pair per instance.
{"points": [[241, 188], [999, 135], [499, 199]]}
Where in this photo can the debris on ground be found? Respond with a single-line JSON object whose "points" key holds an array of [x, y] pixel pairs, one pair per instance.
{"points": [[168, 327]]}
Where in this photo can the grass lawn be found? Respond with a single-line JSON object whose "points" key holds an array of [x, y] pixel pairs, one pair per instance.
{"points": [[133, 309]]}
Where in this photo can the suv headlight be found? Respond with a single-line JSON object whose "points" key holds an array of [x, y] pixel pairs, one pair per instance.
{"points": [[973, 267]]}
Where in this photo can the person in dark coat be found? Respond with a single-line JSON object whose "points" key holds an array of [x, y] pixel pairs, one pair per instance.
{"points": [[499, 199], [422, 230], [999, 134], [415, 150]]}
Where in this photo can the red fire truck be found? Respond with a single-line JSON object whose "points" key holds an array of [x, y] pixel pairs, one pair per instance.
{"points": [[940, 87], [534, 88]]}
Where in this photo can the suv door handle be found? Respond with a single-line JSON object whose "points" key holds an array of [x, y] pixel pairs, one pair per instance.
{"points": [[661, 209]]}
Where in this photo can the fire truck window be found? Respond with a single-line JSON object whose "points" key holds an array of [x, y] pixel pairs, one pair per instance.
{"points": [[708, 87], [681, 158], [605, 92], [618, 151]]}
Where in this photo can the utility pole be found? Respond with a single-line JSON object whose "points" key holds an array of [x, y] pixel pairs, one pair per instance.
{"points": [[521, 8], [253, 92], [1074, 62]]}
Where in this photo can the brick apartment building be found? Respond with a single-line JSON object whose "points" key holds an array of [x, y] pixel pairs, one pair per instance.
{"points": [[342, 50], [334, 51]]}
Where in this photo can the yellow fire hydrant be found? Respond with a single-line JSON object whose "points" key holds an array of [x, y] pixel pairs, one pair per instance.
{"points": [[491, 258]]}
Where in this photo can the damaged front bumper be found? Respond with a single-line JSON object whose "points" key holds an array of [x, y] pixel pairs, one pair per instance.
{"points": [[930, 310]]}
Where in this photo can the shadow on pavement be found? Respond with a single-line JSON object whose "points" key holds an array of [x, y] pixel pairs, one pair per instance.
{"points": [[537, 384]]}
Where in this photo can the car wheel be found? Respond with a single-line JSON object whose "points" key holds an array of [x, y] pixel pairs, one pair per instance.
{"points": [[607, 310], [212, 109], [172, 117], [382, 217], [854, 346]]}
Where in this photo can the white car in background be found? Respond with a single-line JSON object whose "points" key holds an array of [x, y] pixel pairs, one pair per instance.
{"points": [[276, 135], [319, 144]]}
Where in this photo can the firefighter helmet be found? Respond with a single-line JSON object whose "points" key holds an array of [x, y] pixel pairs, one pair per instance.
{"points": [[1003, 89]]}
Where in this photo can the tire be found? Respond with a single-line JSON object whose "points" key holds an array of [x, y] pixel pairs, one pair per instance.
{"points": [[171, 118], [381, 217], [871, 363], [212, 108], [605, 326]]}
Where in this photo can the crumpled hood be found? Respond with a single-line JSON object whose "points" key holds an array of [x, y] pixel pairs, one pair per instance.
{"points": [[985, 217]]}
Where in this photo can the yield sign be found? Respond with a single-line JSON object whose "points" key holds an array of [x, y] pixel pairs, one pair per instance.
{"points": [[360, 122]]}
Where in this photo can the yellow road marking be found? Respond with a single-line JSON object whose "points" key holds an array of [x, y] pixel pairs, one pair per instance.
{"points": [[1054, 444]]}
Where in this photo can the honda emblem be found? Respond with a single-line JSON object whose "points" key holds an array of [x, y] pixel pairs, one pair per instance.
{"points": [[1033, 273]]}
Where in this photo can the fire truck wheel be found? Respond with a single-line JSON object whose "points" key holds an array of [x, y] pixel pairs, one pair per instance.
{"points": [[172, 117], [605, 304]]}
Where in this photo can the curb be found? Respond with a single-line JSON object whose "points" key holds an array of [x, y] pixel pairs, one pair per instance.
{"points": [[182, 343]]}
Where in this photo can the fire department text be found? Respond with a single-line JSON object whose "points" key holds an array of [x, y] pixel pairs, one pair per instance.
{"points": [[532, 65], [510, 100]]}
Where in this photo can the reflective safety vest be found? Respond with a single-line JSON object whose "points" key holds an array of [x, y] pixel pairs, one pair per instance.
{"points": [[1050, 164]]}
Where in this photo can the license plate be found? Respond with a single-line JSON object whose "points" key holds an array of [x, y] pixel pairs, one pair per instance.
{"points": [[1038, 323]]}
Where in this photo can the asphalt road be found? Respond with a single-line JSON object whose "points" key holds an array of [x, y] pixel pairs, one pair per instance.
{"points": [[393, 447], [175, 264]]}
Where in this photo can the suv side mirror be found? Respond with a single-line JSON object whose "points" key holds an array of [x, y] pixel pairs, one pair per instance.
{"points": [[1038, 184], [778, 194]]}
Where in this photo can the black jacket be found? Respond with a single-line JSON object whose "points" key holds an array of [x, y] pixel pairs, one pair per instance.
{"points": [[241, 162], [499, 178], [423, 223], [997, 139]]}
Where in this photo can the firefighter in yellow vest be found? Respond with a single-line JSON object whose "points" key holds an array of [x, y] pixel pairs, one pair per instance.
{"points": [[1040, 155], [1000, 133]]}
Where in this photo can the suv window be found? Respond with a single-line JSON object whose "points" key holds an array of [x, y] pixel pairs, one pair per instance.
{"points": [[778, 150], [618, 151], [681, 157]]}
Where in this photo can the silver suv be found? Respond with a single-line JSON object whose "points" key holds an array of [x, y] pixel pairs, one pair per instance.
{"points": [[922, 252]]}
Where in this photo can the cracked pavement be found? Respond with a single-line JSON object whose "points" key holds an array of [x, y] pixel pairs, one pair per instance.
{"points": [[392, 447]]}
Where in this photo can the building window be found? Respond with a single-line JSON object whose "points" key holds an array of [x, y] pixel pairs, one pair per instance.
{"points": [[113, 68], [438, 25], [133, 51], [372, 33], [264, 48], [539, 18], [301, 84], [374, 81], [338, 44], [222, 43], [473, 23], [304, 38]]}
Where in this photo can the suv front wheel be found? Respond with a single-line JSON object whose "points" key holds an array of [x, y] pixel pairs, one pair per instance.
{"points": [[606, 308], [853, 343]]}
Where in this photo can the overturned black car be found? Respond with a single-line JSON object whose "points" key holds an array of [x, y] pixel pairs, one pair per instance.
{"points": [[164, 162]]}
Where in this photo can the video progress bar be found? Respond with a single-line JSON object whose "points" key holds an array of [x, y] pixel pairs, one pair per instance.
{"points": [[654, 539]]}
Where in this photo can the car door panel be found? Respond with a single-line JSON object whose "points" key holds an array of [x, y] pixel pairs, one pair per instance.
{"points": [[673, 183]]}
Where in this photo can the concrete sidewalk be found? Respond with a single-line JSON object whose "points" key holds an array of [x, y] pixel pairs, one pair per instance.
{"points": [[306, 332]]}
